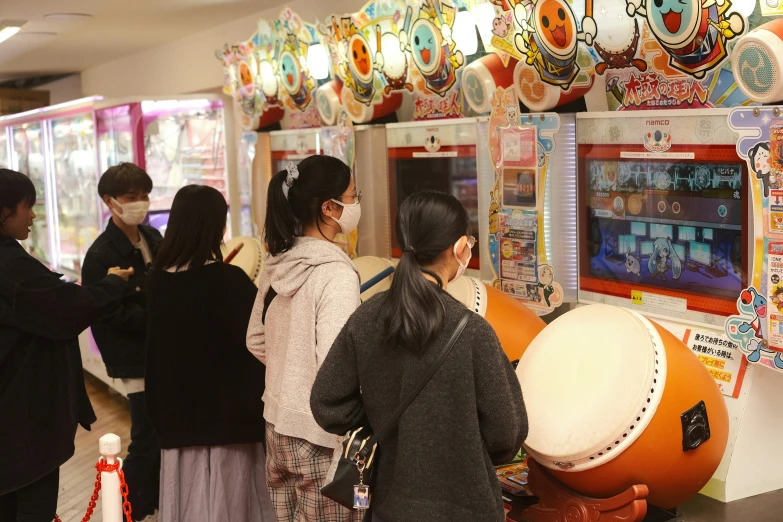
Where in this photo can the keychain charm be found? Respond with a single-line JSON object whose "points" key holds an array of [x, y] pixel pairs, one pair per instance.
{"points": [[361, 492]]}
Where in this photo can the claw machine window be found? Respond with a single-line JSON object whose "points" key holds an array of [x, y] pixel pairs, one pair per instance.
{"points": [[115, 131], [76, 188], [184, 144], [27, 157], [434, 156]]}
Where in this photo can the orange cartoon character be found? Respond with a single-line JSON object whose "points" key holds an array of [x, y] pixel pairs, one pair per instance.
{"points": [[549, 38], [358, 65]]}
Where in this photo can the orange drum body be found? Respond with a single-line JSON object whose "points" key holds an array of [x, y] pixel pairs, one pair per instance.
{"points": [[615, 400], [514, 324]]}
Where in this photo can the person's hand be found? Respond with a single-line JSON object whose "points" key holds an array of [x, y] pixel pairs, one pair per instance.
{"points": [[123, 273]]}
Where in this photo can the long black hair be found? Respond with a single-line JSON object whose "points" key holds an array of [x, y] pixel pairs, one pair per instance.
{"points": [[428, 223], [195, 229], [15, 188], [321, 178]]}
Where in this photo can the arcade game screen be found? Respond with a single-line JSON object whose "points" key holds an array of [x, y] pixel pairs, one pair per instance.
{"points": [[453, 175], [671, 224]]}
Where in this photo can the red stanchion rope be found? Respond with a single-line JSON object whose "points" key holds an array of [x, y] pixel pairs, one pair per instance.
{"points": [[102, 466]]}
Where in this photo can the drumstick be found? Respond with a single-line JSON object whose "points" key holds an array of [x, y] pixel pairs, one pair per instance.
{"points": [[378, 37], [233, 253], [408, 15]]}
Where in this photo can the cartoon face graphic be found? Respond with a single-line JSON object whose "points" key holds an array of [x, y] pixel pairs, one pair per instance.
{"points": [[246, 86], [507, 249], [426, 46], [267, 78], [546, 275], [556, 27], [290, 73], [432, 143], [674, 22], [360, 58], [500, 27], [761, 161]]}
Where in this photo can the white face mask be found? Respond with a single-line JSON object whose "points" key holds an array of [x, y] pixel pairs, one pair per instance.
{"points": [[462, 268], [350, 218], [133, 214]]}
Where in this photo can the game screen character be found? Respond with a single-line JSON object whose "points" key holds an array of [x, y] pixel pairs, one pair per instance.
{"points": [[668, 224]]}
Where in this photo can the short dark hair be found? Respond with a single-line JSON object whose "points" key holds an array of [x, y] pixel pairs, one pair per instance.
{"points": [[15, 188], [195, 229], [321, 178], [122, 179]]}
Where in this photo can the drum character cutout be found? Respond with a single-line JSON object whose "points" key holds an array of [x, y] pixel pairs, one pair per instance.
{"points": [[549, 39], [693, 32], [749, 328], [267, 82], [432, 49], [294, 74], [357, 65], [394, 62]]}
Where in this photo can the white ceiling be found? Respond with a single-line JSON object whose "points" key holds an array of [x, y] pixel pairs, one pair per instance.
{"points": [[118, 28]]}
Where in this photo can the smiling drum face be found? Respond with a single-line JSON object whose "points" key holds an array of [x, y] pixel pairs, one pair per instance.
{"points": [[674, 22], [360, 58], [426, 46], [290, 73], [556, 25]]}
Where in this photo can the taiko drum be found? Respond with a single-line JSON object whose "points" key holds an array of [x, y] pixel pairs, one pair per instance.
{"points": [[615, 400]]}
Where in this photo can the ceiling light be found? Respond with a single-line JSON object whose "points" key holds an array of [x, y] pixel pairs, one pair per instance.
{"points": [[8, 28], [464, 33], [67, 16], [318, 62]]}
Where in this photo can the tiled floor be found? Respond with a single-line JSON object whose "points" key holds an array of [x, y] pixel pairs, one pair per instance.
{"points": [[78, 474]]}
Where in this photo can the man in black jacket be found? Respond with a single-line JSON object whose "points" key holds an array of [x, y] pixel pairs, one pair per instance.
{"points": [[121, 336]]}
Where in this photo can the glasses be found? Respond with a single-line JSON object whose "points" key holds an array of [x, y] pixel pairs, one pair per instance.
{"points": [[356, 199], [471, 242]]}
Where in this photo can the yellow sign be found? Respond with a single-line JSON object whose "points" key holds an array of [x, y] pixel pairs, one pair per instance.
{"points": [[636, 297]]}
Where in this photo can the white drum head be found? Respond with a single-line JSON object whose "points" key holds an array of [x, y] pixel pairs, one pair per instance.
{"points": [[250, 258], [471, 292], [592, 380]]}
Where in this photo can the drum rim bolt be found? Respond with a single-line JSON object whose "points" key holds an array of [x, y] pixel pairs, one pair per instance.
{"points": [[756, 111], [776, 111]]}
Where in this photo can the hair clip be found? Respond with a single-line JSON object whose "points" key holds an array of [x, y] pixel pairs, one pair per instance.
{"points": [[293, 175]]}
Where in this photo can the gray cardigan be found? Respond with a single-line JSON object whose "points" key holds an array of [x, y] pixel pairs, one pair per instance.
{"points": [[437, 465]]}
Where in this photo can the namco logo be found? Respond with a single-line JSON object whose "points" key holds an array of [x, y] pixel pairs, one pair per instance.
{"points": [[656, 123]]}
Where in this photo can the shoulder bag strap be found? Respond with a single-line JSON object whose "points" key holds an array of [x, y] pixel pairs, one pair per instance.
{"points": [[416, 389]]}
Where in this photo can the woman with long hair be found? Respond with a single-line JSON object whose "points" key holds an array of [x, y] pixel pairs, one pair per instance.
{"points": [[437, 465], [42, 393], [203, 387], [309, 288]]}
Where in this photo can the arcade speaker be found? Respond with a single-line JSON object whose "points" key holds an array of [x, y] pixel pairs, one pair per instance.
{"points": [[757, 63], [482, 77], [615, 400], [539, 96], [327, 98]]}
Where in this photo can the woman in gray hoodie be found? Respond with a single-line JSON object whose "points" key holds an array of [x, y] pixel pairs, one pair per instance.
{"points": [[309, 288]]}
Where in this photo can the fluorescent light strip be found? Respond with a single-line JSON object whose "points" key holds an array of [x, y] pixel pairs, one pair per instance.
{"points": [[8, 32]]}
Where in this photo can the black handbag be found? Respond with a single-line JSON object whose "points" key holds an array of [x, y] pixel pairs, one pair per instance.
{"points": [[360, 446]]}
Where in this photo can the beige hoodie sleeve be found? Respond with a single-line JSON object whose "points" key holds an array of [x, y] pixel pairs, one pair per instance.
{"points": [[255, 329], [339, 299]]}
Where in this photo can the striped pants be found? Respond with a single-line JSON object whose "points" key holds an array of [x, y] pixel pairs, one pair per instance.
{"points": [[295, 472]]}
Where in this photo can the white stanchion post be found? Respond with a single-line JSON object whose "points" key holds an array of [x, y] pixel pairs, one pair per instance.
{"points": [[111, 497]]}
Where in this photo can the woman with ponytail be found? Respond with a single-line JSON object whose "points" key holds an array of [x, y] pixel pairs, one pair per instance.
{"points": [[437, 465], [308, 290]]}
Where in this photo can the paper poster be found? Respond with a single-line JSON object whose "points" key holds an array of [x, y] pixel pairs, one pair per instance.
{"points": [[722, 357], [771, 7], [516, 244]]}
